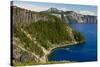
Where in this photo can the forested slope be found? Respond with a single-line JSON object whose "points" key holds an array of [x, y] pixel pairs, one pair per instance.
{"points": [[36, 34]]}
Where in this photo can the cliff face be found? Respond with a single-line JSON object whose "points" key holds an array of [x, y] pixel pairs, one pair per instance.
{"points": [[36, 34], [21, 16], [78, 18], [89, 19], [72, 17]]}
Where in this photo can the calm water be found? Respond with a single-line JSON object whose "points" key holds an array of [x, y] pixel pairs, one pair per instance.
{"points": [[80, 53]]}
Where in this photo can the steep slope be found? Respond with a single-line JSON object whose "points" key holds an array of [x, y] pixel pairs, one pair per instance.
{"points": [[21, 16], [72, 16], [36, 34], [79, 18]]}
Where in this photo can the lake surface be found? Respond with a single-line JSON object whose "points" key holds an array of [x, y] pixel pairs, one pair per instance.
{"points": [[82, 52]]}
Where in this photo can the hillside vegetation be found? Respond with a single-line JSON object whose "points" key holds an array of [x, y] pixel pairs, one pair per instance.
{"points": [[33, 40]]}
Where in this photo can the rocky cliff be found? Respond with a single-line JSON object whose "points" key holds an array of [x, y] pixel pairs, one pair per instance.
{"points": [[72, 16], [89, 19], [79, 18], [21, 15]]}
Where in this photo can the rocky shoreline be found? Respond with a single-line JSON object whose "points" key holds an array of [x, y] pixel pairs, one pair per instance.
{"points": [[51, 49]]}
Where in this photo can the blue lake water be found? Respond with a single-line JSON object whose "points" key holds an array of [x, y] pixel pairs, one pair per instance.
{"points": [[82, 52]]}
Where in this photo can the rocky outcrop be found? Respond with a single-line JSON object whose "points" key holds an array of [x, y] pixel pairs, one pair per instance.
{"points": [[21, 16], [71, 16], [74, 17], [89, 19], [79, 18], [53, 10]]}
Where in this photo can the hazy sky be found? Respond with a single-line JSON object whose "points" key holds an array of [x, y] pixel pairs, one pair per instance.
{"points": [[40, 6]]}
